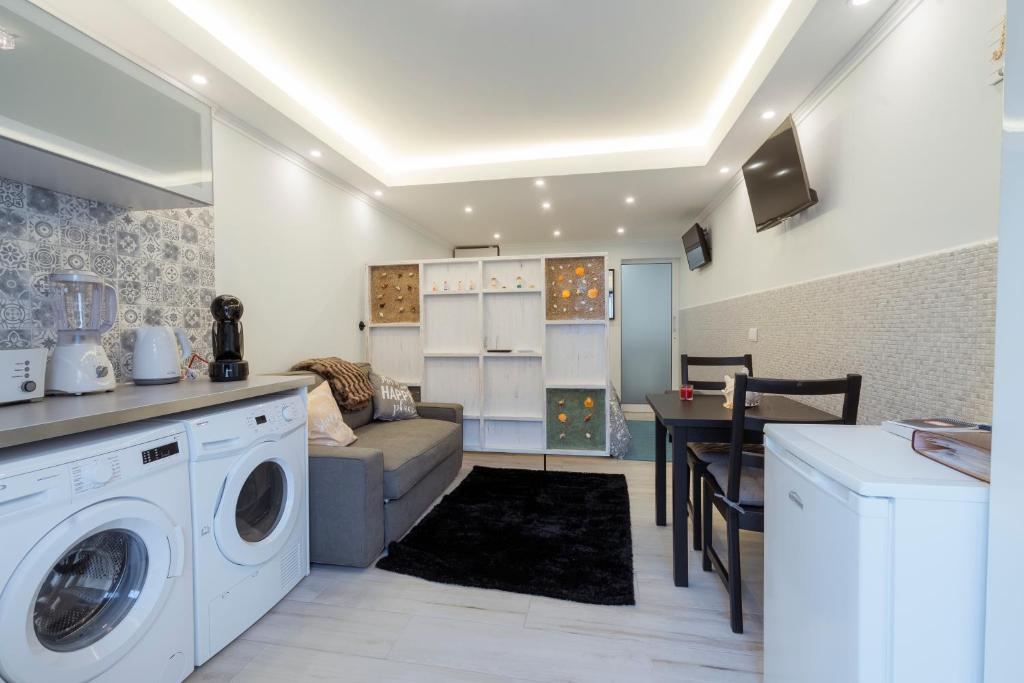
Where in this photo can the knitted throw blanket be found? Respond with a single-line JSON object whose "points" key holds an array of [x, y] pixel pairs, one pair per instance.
{"points": [[350, 386]]}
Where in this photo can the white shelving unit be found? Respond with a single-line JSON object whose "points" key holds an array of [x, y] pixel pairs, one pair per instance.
{"points": [[483, 341]]}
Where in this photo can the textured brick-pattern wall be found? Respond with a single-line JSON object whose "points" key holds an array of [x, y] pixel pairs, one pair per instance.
{"points": [[921, 332], [161, 263]]}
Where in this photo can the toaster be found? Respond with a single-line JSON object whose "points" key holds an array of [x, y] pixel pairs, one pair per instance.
{"points": [[21, 374]]}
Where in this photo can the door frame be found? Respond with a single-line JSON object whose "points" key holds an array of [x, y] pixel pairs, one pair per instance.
{"points": [[675, 262]]}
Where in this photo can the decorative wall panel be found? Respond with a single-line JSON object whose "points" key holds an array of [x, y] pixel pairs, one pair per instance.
{"points": [[575, 288], [161, 262], [576, 419], [921, 332], [395, 293]]}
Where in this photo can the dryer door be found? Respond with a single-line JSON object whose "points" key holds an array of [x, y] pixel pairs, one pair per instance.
{"points": [[88, 591], [258, 509]]}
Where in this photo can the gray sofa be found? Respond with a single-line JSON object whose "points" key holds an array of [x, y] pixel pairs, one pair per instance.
{"points": [[364, 496]]}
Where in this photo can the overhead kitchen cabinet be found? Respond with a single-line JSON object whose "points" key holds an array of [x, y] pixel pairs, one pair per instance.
{"points": [[79, 118]]}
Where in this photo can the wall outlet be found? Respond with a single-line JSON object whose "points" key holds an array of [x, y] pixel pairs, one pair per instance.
{"points": [[752, 334]]}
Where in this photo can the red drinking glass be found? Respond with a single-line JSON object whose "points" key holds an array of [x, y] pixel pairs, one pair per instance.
{"points": [[686, 392]]}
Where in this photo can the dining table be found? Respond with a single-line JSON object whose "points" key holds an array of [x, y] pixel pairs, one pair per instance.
{"points": [[704, 418]]}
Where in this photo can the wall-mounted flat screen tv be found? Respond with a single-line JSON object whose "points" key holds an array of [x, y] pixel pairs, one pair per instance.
{"points": [[697, 247], [776, 179]]}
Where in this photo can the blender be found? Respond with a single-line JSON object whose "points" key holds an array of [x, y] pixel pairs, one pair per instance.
{"points": [[84, 307]]}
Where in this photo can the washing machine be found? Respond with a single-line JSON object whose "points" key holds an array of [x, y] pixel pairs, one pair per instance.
{"points": [[96, 559], [250, 517]]}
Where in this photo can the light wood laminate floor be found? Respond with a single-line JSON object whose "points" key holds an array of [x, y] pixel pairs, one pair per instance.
{"points": [[354, 625]]}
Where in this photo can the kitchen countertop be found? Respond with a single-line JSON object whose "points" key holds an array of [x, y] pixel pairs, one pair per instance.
{"points": [[62, 415]]}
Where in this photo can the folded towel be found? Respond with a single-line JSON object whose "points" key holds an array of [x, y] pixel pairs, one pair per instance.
{"points": [[349, 384]]}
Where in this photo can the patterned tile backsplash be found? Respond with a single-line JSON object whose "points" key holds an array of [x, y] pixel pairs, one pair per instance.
{"points": [[161, 262], [921, 332]]}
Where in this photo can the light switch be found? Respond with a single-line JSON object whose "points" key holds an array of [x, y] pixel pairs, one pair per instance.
{"points": [[752, 334]]}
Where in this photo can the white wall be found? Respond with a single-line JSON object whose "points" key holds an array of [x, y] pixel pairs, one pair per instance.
{"points": [[904, 154], [1006, 540], [293, 247], [619, 251]]}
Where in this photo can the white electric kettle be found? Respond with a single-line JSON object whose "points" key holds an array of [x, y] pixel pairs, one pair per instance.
{"points": [[157, 359]]}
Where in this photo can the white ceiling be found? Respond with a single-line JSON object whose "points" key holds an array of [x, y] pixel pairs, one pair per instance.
{"points": [[601, 99]]}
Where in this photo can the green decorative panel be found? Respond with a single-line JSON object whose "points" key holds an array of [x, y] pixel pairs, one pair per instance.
{"points": [[576, 419]]}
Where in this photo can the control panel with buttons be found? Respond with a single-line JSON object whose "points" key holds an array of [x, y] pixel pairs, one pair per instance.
{"points": [[21, 374]]}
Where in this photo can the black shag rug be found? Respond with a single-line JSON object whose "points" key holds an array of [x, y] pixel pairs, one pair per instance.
{"points": [[558, 534]]}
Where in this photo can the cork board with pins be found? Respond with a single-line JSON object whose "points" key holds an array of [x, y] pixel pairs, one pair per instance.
{"points": [[575, 288], [395, 294], [576, 419]]}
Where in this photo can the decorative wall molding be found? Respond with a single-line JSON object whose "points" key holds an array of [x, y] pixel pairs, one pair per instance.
{"points": [[876, 35]]}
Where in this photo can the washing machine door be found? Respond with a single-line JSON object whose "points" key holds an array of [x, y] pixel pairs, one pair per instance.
{"points": [[259, 506], [88, 591]]}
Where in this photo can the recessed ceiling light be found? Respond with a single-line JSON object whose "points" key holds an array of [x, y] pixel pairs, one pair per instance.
{"points": [[620, 230], [724, 169], [768, 115], [200, 79], [557, 233], [539, 182], [545, 205], [378, 193], [8, 40], [630, 199], [315, 153], [858, 3], [468, 209], [497, 235]]}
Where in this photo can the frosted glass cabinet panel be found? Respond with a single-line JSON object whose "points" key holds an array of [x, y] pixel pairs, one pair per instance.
{"points": [[63, 96]]}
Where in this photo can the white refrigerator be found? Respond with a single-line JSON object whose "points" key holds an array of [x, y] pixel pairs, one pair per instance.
{"points": [[874, 560]]}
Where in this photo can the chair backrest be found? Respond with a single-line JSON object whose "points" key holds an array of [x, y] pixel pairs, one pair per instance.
{"points": [[848, 386], [685, 361]]}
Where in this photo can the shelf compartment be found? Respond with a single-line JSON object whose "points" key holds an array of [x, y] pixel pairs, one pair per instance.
{"points": [[469, 293], [451, 324], [505, 272], [513, 386], [513, 436], [435, 275], [513, 322], [395, 352], [453, 380], [576, 354]]}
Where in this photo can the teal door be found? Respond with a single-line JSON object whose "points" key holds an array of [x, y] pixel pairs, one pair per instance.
{"points": [[645, 307]]}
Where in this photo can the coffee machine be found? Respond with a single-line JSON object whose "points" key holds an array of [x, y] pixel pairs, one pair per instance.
{"points": [[84, 307], [227, 365]]}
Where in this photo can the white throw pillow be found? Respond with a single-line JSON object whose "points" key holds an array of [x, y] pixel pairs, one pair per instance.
{"points": [[326, 426]]}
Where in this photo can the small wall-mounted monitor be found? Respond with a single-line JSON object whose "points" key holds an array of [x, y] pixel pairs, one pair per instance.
{"points": [[697, 247]]}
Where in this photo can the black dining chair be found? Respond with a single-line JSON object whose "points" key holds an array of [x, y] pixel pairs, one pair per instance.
{"points": [[700, 455], [735, 487]]}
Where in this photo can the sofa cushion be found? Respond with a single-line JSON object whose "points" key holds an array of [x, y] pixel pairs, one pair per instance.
{"points": [[411, 448], [353, 418]]}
